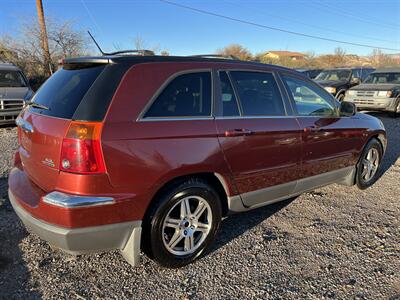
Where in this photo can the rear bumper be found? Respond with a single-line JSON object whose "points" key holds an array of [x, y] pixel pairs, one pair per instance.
{"points": [[123, 236]]}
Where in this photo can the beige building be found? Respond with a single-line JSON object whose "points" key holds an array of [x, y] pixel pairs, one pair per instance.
{"points": [[284, 54]]}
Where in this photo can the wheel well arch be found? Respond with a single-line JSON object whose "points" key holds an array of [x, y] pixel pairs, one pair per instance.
{"points": [[381, 139], [341, 91], [216, 180]]}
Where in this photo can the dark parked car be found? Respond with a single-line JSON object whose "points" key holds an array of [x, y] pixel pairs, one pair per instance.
{"points": [[14, 91], [310, 73], [131, 152], [338, 81], [380, 91]]}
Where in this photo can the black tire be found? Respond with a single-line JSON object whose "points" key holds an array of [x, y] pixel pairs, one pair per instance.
{"points": [[154, 238], [360, 180], [340, 97], [396, 113]]}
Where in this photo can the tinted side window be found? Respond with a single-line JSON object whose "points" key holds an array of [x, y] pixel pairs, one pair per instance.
{"points": [[309, 99], [258, 93], [186, 96], [356, 73], [366, 72], [228, 98]]}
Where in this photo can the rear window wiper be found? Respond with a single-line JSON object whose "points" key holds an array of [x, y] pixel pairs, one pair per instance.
{"points": [[37, 105]]}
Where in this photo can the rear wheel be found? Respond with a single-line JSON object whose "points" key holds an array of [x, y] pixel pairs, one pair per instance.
{"points": [[368, 166], [183, 223]]}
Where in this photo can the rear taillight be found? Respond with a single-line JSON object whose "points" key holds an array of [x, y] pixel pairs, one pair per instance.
{"points": [[17, 159], [81, 149], [19, 135]]}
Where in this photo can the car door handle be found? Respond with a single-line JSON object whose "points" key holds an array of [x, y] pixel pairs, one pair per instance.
{"points": [[237, 132], [312, 129]]}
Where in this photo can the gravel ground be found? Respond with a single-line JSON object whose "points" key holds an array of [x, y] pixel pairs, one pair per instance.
{"points": [[334, 243]]}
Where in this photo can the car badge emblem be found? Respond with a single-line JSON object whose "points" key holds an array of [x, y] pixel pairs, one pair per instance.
{"points": [[48, 162]]}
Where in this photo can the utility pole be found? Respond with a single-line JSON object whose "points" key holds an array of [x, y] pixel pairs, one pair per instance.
{"points": [[44, 39]]}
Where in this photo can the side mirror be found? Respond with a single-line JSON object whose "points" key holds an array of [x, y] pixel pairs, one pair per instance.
{"points": [[356, 80], [347, 109]]}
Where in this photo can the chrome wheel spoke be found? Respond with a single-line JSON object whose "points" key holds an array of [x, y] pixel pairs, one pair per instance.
{"points": [[369, 174], [189, 243], [175, 239], [199, 210], [364, 169], [173, 223], [185, 208], [371, 155], [203, 227], [374, 156]]}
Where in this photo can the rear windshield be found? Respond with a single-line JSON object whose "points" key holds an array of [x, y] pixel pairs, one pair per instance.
{"points": [[11, 78], [64, 90]]}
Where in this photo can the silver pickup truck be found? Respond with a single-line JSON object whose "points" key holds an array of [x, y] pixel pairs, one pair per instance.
{"points": [[380, 91], [14, 91]]}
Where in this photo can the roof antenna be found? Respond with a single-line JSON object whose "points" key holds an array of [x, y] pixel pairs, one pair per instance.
{"points": [[97, 45]]}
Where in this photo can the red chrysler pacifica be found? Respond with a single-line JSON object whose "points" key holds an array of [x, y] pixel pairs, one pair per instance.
{"points": [[149, 153]]}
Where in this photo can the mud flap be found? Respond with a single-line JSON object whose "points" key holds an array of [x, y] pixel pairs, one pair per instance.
{"points": [[131, 250]]}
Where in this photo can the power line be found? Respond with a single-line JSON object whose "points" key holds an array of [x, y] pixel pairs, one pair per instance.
{"points": [[92, 17], [312, 26], [205, 12]]}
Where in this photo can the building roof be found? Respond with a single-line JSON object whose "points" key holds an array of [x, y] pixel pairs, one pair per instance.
{"points": [[286, 53]]}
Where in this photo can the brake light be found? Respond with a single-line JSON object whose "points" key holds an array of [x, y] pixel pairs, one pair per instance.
{"points": [[19, 135], [81, 149], [17, 159]]}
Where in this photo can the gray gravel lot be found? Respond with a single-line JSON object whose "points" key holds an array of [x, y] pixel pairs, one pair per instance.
{"points": [[334, 243]]}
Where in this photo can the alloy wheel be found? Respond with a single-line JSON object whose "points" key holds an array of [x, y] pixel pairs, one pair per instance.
{"points": [[370, 164], [187, 225]]}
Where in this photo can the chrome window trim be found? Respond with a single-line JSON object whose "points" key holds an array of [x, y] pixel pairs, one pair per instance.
{"points": [[74, 201], [277, 117], [156, 119], [253, 117], [142, 114]]}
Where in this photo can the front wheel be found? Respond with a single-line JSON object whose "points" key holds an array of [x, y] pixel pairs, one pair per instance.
{"points": [[184, 222], [368, 166], [396, 112]]}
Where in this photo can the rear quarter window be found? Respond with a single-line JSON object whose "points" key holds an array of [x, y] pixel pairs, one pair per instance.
{"points": [[64, 90], [188, 95]]}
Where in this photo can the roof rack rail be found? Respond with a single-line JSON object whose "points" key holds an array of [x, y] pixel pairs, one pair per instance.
{"points": [[215, 56], [139, 52]]}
